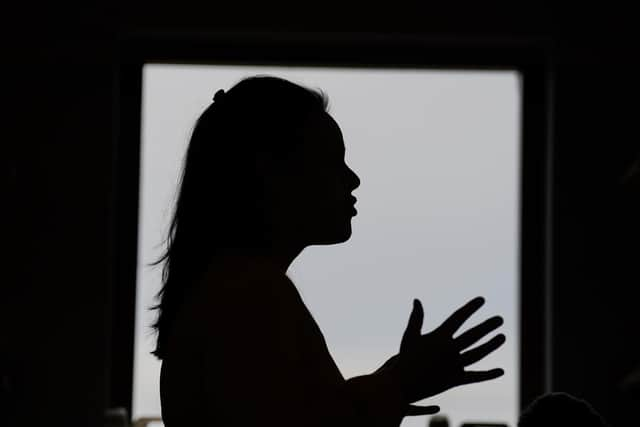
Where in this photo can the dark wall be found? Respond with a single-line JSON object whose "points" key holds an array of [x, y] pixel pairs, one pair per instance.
{"points": [[60, 111], [597, 288]]}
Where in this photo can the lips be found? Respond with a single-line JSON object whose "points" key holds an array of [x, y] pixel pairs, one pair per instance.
{"points": [[350, 205]]}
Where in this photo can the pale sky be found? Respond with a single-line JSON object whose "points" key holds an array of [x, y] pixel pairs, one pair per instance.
{"points": [[438, 156]]}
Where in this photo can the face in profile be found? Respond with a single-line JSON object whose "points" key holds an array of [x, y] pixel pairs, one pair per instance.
{"points": [[313, 204]]}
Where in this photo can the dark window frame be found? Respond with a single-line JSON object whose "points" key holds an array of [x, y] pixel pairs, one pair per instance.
{"points": [[532, 58]]}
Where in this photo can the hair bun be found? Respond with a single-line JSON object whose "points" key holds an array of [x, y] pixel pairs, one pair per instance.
{"points": [[219, 96]]}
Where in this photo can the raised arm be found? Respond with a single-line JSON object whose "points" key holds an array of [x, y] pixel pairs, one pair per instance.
{"points": [[429, 364]]}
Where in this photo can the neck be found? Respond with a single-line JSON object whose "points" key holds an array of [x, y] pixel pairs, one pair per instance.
{"points": [[279, 257], [282, 259]]}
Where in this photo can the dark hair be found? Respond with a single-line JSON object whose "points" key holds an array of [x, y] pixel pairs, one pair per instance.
{"points": [[218, 204], [560, 410]]}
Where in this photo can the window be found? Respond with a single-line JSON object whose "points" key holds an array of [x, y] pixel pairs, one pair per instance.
{"points": [[438, 154]]}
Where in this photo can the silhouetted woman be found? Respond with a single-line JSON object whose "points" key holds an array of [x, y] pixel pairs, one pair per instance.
{"points": [[264, 177]]}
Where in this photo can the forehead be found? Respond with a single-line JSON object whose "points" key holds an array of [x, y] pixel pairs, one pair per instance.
{"points": [[322, 135]]}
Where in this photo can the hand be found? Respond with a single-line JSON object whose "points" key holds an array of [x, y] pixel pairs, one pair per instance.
{"points": [[432, 363]]}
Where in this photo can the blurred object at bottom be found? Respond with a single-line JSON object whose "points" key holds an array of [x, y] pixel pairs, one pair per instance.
{"points": [[484, 425], [116, 417], [147, 422], [439, 421]]}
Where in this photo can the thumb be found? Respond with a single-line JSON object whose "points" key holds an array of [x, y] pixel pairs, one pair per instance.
{"points": [[414, 327]]}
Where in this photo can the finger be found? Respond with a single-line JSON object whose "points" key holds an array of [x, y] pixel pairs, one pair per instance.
{"points": [[469, 377], [474, 334], [414, 327], [473, 355], [414, 410], [453, 323]]}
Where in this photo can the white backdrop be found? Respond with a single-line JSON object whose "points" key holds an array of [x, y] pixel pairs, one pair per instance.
{"points": [[438, 156]]}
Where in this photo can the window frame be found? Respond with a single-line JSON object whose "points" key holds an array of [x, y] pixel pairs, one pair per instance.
{"points": [[532, 58]]}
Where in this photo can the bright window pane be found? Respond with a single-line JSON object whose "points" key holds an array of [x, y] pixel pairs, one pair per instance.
{"points": [[438, 156]]}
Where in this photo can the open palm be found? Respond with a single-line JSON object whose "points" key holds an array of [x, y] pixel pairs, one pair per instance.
{"points": [[431, 363]]}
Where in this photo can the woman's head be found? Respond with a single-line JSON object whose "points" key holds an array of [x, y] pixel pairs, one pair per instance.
{"points": [[307, 193], [264, 169]]}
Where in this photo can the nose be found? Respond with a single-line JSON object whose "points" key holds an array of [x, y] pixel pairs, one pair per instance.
{"points": [[353, 179]]}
